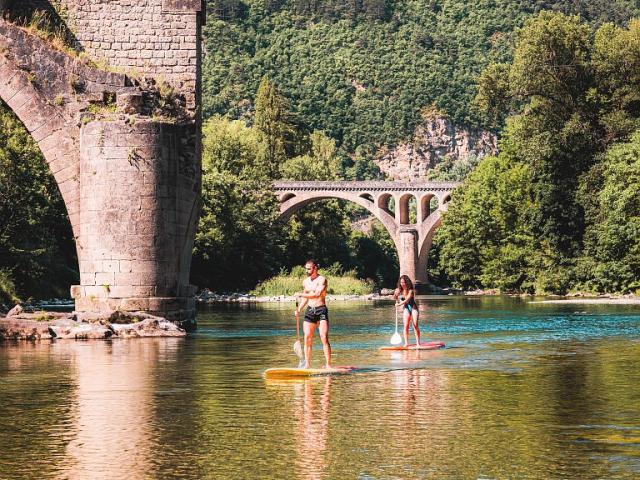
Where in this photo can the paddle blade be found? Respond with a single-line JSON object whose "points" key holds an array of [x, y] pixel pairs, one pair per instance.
{"points": [[297, 347], [396, 339]]}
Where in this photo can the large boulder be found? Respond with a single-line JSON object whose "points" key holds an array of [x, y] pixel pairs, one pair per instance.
{"points": [[15, 311], [23, 329], [68, 328]]}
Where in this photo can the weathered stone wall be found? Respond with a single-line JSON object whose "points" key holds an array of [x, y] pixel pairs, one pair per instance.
{"points": [[137, 209], [155, 37]]}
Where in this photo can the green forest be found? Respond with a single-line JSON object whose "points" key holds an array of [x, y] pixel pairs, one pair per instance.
{"points": [[314, 89]]}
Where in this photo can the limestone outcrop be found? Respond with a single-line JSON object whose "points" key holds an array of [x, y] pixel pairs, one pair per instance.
{"points": [[437, 139]]}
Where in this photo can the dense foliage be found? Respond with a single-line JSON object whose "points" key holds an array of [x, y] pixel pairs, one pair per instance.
{"points": [[361, 70], [240, 240], [37, 252], [558, 209], [311, 89]]}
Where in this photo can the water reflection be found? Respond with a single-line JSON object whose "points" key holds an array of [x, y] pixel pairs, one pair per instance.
{"points": [[113, 407], [312, 404]]}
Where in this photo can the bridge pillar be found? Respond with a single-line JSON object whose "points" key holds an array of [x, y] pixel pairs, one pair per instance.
{"points": [[408, 253], [139, 187]]}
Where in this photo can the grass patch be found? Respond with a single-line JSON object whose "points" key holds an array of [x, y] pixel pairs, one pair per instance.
{"points": [[43, 316], [42, 25], [340, 283]]}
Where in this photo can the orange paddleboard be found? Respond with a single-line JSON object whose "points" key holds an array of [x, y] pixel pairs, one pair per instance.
{"points": [[306, 372], [422, 346]]}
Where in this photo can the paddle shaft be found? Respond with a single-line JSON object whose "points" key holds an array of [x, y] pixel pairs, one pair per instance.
{"points": [[396, 309], [297, 322]]}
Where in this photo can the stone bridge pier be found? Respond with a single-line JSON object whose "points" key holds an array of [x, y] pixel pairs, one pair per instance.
{"points": [[116, 114], [410, 211]]}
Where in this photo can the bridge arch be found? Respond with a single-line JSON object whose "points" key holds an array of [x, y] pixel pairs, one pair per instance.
{"points": [[412, 239], [295, 203], [49, 125], [130, 182]]}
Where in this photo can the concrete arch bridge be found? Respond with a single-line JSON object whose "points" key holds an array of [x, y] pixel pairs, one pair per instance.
{"points": [[389, 202]]}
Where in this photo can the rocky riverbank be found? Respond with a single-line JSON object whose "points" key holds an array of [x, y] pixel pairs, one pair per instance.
{"points": [[19, 325], [209, 297]]}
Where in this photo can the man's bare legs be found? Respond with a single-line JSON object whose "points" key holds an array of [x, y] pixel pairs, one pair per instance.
{"points": [[326, 346], [308, 328]]}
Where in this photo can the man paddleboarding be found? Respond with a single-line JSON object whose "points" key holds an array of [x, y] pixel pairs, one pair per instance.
{"points": [[316, 316]]}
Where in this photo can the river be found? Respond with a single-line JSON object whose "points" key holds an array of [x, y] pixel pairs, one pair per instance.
{"points": [[523, 390]]}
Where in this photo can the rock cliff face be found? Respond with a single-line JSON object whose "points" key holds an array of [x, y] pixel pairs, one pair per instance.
{"points": [[434, 141]]}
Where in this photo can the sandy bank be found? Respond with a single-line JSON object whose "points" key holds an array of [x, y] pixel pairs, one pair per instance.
{"points": [[208, 297]]}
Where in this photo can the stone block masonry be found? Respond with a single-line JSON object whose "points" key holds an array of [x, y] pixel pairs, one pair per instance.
{"points": [[161, 38], [138, 204]]}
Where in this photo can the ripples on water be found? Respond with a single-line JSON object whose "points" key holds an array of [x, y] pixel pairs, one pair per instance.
{"points": [[521, 391]]}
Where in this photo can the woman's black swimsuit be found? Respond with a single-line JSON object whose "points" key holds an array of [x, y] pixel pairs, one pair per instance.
{"points": [[410, 305]]}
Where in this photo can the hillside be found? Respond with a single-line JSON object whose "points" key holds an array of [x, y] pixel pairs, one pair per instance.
{"points": [[362, 70]]}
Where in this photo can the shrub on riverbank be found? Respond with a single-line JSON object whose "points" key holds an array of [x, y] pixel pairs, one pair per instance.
{"points": [[7, 289], [340, 283]]}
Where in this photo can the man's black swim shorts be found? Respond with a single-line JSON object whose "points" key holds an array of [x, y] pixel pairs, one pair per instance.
{"points": [[316, 314]]}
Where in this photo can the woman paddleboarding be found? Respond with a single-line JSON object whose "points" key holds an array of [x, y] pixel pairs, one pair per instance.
{"points": [[405, 299]]}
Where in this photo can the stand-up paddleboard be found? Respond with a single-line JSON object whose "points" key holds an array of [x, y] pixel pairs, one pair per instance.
{"points": [[307, 372], [422, 346]]}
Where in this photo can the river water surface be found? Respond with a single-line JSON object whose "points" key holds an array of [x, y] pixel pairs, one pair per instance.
{"points": [[523, 390]]}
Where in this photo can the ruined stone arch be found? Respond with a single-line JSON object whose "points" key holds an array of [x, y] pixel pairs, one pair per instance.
{"points": [[130, 179], [21, 73]]}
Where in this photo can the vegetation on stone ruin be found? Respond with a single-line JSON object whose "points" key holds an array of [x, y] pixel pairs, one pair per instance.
{"points": [[559, 208], [37, 252]]}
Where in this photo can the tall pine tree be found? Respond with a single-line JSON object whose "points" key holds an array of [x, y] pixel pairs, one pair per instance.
{"points": [[275, 122]]}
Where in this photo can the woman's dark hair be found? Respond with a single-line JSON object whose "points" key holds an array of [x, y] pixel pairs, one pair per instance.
{"points": [[407, 281]]}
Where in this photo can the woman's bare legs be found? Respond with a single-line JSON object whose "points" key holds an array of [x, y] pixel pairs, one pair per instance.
{"points": [[405, 326], [415, 314]]}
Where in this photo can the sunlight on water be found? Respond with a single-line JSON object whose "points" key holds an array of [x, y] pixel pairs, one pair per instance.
{"points": [[521, 391]]}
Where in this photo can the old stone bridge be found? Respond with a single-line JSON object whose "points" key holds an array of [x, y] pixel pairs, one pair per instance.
{"points": [[110, 91], [391, 203]]}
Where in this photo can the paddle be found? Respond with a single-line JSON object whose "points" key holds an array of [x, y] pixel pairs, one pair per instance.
{"points": [[396, 339], [297, 347]]}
